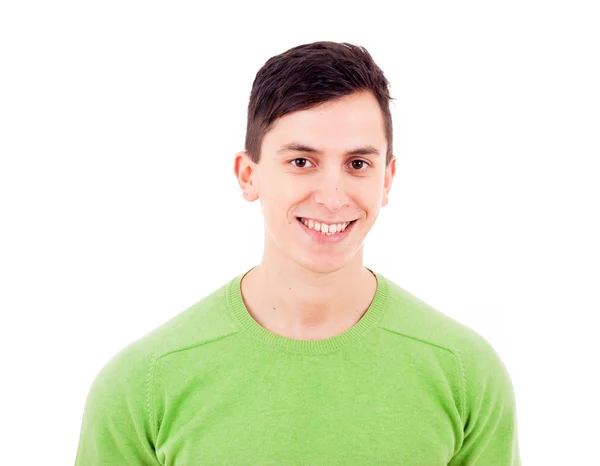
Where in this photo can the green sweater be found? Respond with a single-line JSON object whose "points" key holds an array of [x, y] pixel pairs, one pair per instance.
{"points": [[406, 385]]}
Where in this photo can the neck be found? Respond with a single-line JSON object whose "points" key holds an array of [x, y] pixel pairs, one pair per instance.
{"points": [[295, 301]]}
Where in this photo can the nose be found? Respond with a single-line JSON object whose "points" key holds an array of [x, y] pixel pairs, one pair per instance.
{"points": [[331, 192]]}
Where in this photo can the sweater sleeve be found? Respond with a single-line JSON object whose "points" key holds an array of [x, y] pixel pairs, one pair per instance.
{"points": [[489, 415], [116, 428]]}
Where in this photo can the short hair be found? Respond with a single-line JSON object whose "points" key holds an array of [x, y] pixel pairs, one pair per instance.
{"points": [[308, 75]]}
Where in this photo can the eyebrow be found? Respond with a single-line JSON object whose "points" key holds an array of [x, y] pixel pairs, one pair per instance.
{"points": [[297, 147]]}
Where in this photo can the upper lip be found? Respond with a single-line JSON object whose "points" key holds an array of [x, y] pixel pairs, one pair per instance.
{"points": [[327, 222]]}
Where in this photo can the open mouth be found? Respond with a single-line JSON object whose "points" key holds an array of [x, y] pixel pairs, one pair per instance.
{"points": [[338, 229]]}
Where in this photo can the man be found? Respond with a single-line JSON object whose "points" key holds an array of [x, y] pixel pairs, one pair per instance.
{"points": [[309, 357]]}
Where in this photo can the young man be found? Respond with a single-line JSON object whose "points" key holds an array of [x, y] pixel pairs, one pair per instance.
{"points": [[309, 357]]}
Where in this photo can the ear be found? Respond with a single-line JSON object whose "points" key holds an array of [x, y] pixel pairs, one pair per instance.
{"points": [[243, 169], [390, 172]]}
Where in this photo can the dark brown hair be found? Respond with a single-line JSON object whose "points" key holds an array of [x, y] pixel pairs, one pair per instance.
{"points": [[308, 75]]}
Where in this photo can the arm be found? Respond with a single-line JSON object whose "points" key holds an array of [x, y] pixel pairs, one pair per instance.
{"points": [[489, 417], [116, 428]]}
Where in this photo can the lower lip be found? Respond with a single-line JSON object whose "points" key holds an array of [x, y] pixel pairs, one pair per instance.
{"points": [[324, 239]]}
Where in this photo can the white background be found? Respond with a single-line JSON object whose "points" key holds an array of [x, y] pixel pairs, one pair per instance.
{"points": [[119, 208]]}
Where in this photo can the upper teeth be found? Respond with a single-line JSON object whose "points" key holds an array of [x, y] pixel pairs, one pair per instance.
{"points": [[323, 227]]}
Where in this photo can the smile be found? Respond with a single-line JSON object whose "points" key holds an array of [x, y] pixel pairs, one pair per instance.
{"points": [[326, 234], [324, 228]]}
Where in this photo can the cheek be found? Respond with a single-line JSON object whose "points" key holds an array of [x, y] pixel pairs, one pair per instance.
{"points": [[278, 208], [290, 193], [369, 203], [366, 195]]}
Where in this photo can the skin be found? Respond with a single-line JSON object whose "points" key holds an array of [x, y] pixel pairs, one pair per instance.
{"points": [[302, 289]]}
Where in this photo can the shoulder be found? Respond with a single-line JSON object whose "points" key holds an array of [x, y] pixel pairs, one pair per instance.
{"points": [[411, 317], [131, 368], [202, 323], [120, 421], [479, 366]]}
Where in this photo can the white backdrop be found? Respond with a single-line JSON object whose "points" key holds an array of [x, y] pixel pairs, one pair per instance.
{"points": [[119, 208]]}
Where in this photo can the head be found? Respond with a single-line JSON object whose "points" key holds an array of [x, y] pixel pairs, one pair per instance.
{"points": [[318, 147]]}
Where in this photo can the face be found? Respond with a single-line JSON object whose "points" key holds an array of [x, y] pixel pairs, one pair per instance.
{"points": [[326, 163]]}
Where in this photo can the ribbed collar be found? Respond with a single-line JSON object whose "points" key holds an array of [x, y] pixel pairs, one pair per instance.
{"points": [[236, 306]]}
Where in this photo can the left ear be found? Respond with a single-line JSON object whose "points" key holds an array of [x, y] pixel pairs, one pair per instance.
{"points": [[390, 172]]}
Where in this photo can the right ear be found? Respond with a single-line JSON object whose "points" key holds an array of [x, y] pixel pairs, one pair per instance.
{"points": [[244, 171]]}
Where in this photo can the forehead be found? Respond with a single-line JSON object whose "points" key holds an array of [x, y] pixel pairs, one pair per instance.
{"points": [[354, 120]]}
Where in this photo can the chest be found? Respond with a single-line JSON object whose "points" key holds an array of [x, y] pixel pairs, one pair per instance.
{"points": [[309, 414]]}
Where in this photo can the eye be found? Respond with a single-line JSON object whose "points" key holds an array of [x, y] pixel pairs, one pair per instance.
{"points": [[301, 165], [361, 165]]}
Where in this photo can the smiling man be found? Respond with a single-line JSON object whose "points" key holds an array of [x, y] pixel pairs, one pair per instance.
{"points": [[309, 357], [323, 175]]}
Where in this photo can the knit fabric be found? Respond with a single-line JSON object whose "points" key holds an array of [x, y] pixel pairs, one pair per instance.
{"points": [[406, 385]]}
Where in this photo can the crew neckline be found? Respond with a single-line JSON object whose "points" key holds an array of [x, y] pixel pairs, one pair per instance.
{"points": [[370, 318]]}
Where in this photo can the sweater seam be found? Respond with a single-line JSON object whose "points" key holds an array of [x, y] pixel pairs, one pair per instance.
{"points": [[150, 402], [418, 339], [196, 345], [463, 386], [151, 382], [458, 363]]}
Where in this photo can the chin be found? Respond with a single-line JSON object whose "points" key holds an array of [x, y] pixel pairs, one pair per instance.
{"points": [[324, 265]]}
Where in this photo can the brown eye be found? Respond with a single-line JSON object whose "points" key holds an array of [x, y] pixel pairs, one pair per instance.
{"points": [[301, 164], [361, 164]]}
